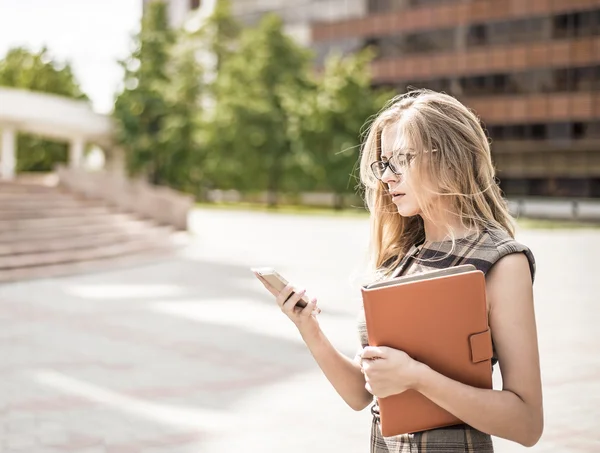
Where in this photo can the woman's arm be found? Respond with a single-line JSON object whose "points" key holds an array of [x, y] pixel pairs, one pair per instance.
{"points": [[515, 412], [342, 372]]}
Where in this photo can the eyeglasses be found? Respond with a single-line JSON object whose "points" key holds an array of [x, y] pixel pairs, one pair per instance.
{"points": [[398, 163]]}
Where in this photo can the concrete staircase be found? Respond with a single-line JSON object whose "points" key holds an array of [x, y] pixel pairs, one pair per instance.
{"points": [[46, 232]]}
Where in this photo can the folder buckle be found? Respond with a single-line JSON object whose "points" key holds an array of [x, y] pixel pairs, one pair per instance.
{"points": [[481, 346]]}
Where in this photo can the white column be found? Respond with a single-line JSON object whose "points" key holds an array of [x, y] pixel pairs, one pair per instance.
{"points": [[9, 153], [76, 152]]}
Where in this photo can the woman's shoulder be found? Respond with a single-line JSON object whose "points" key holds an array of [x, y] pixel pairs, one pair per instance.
{"points": [[496, 244]]}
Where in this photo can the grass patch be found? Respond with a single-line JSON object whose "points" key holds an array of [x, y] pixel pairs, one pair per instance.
{"points": [[286, 209], [528, 224], [547, 224]]}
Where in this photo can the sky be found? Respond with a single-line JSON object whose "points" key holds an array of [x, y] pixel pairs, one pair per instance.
{"points": [[91, 34]]}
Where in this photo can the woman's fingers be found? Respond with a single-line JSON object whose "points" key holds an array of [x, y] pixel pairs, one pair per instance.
{"points": [[287, 299], [289, 304], [310, 309], [316, 310], [285, 295]]}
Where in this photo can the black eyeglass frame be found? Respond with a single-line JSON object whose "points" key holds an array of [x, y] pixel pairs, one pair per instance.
{"points": [[384, 165]]}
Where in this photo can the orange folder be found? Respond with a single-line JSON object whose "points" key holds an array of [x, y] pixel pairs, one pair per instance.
{"points": [[438, 318]]}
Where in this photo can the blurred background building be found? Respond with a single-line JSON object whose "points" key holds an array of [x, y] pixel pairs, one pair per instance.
{"points": [[530, 69], [179, 10]]}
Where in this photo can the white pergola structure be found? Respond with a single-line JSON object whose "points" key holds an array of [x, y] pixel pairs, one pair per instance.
{"points": [[53, 117]]}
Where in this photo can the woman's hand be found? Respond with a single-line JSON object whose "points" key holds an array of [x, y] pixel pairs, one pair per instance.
{"points": [[389, 371], [304, 318]]}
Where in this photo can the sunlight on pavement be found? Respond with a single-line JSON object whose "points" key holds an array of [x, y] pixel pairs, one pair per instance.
{"points": [[103, 292], [255, 317], [244, 314], [200, 419]]}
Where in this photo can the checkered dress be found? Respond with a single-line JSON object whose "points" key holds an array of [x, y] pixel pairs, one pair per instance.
{"points": [[482, 250]]}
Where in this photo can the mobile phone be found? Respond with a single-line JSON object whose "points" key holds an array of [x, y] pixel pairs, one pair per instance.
{"points": [[278, 282]]}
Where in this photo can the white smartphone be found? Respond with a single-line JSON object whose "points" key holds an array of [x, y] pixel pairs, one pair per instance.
{"points": [[278, 282]]}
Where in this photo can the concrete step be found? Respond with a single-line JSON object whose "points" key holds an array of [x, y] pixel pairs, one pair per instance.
{"points": [[25, 188], [44, 213], [79, 255], [7, 197], [106, 264], [131, 226], [31, 203], [36, 224], [47, 232], [84, 241]]}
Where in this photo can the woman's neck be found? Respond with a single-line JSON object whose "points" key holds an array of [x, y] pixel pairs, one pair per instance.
{"points": [[438, 231]]}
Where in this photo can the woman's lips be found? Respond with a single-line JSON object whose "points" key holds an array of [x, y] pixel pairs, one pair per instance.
{"points": [[397, 196]]}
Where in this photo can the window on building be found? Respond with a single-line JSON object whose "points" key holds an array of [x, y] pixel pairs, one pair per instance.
{"points": [[477, 85], [499, 33], [554, 132], [416, 3], [523, 82], [515, 132], [526, 30], [584, 78], [380, 6], [392, 46], [592, 130], [430, 41], [538, 132], [560, 132], [563, 79], [542, 80], [477, 35], [499, 83], [563, 26], [194, 4], [578, 130], [496, 133], [586, 23]]}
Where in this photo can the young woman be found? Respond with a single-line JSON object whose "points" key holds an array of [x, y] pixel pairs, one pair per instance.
{"points": [[434, 203]]}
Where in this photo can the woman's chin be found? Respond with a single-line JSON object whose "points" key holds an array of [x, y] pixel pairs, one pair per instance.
{"points": [[406, 211]]}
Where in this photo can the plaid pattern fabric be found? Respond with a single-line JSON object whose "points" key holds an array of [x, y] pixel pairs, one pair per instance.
{"points": [[481, 250], [460, 438]]}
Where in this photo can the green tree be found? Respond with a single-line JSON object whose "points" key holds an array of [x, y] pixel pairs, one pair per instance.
{"points": [[141, 110], [222, 33], [38, 71], [251, 132], [184, 168], [332, 120]]}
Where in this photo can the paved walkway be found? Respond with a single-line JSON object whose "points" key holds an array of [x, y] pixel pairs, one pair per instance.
{"points": [[191, 355]]}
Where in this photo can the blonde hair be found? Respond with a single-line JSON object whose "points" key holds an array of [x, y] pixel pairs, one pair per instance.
{"points": [[438, 126]]}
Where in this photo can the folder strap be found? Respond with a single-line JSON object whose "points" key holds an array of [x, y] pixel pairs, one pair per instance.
{"points": [[481, 346]]}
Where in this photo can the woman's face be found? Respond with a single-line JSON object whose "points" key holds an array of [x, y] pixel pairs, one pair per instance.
{"points": [[402, 187]]}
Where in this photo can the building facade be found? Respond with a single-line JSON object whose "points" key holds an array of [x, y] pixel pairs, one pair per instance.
{"points": [[178, 10], [299, 15], [529, 69]]}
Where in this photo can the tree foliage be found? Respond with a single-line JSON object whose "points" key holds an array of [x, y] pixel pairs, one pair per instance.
{"points": [[255, 116], [251, 137], [141, 110], [332, 120]]}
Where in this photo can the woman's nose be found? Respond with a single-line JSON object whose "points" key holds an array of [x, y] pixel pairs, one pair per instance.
{"points": [[389, 176]]}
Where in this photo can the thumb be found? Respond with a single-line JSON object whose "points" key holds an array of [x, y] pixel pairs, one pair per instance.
{"points": [[371, 352]]}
